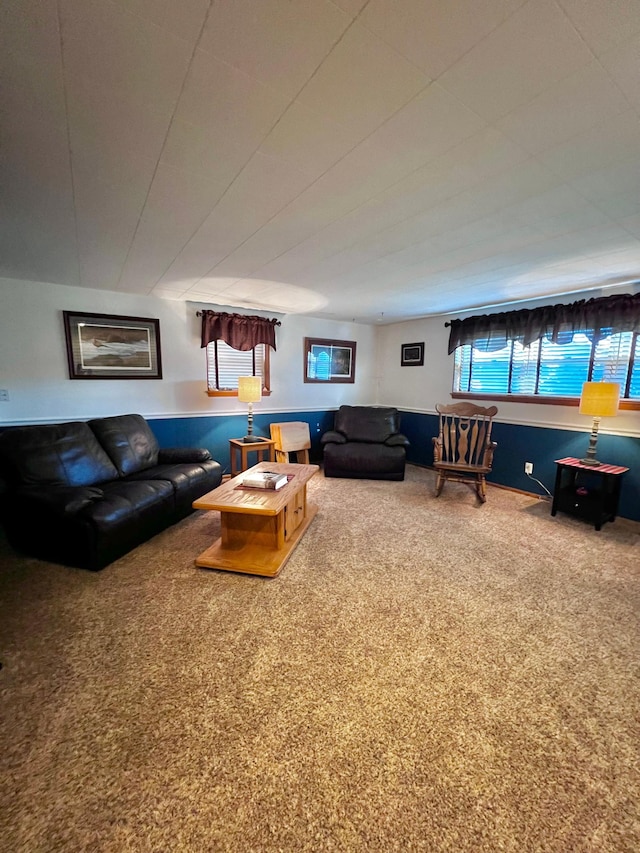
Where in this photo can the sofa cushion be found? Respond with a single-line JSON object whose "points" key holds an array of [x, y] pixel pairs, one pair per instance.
{"points": [[129, 442], [367, 423], [128, 502], [55, 455], [193, 477], [59, 500]]}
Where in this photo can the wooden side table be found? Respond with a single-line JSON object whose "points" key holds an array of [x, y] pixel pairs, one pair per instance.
{"points": [[241, 449], [591, 492]]}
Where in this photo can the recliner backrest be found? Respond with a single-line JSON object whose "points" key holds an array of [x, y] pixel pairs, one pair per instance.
{"points": [[371, 424], [129, 442]]}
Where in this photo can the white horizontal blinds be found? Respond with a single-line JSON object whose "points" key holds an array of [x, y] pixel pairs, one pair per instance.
{"points": [[490, 370], [550, 369], [564, 367], [634, 378], [612, 356], [462, 368], [524, 368], [225, 365]]}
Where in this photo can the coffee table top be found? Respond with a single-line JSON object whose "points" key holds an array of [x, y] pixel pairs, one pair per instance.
{"points": [[232, 497]]}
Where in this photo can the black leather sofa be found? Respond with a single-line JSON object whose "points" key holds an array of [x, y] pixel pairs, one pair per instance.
{"points": [[365, 443], [85, 493]]}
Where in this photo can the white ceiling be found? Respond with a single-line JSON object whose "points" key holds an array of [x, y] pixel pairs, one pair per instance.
{"points": [[353, 159]]}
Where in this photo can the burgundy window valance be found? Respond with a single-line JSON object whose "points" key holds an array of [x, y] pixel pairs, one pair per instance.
{"points": [[240, 331], [605, 315]]}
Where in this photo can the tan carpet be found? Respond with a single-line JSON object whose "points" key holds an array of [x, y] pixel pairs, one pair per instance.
{"points": [[425, 674]]}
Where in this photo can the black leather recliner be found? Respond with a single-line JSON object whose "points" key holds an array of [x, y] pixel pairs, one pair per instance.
{"points": [[365, 443], [83, 494]]}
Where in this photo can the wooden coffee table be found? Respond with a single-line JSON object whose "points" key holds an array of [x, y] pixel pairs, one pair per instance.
{"points": [[259, 527]]}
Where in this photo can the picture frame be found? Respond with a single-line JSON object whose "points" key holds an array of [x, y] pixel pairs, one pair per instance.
{"points": [[412, 355], [328, 361], [109, 346]]}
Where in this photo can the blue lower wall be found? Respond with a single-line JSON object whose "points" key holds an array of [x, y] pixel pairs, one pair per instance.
{"points": [[519, 444], [516, 445], [214, 433]]}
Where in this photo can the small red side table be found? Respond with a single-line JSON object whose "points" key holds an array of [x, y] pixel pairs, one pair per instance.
{"points": [[591, 492]]}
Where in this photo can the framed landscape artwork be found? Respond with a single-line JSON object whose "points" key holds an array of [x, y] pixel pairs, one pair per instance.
{"points": [[412, 354], [106, 346], [329, 361]]}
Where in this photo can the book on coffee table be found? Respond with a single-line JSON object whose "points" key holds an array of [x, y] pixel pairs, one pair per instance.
{"points": [[264, 480]]}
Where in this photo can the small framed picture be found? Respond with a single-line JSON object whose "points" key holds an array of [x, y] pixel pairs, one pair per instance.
{"points": [[105, 346], [412, 354]]}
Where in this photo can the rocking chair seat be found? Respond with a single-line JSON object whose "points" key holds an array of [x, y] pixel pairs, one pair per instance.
{"points": [[456, 466]]}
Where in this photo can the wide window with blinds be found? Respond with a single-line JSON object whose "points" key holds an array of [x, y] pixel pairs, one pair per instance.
{"points": [[225, 365], [548, 370]]}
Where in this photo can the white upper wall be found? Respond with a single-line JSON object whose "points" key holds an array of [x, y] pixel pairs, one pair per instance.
{"points": [[33, 365], [33, 361]]}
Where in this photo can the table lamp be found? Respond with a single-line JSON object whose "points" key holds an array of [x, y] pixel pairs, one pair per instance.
{"points": [[250, 391], [600, 400]]}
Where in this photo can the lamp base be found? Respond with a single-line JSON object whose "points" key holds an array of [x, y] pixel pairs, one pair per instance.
{"points": [[590, 458], [252, 439]]}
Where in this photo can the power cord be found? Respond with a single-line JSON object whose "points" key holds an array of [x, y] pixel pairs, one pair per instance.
{"points": [[540, 484]]}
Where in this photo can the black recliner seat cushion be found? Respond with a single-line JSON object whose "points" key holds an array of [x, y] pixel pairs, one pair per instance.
{"points": [[359, 460]]}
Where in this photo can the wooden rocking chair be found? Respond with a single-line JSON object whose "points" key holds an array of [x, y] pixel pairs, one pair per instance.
{"points": [[463, 450]]}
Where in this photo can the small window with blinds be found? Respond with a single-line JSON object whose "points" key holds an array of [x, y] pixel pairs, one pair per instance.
{"points": [[549, 370], [225, 365]]}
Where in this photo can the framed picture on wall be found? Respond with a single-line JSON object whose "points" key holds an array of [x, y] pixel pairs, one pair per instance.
{"points": [[106, 346], [412, 355], [326, 360]]}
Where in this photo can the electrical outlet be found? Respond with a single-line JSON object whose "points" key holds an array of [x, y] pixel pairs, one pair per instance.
{"points": [[4, 395], [528, 467]]}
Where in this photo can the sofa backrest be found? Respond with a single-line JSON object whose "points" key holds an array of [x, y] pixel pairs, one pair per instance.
{"points": [[54, 455], [128, 441], [373, 424]]}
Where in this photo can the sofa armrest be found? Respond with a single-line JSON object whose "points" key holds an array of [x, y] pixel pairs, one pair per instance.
{"points": [[61, 500], [398, 440], [333, 437], [176, 455]]}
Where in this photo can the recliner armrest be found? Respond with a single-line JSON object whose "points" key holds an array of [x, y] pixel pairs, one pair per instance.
{"points": [[398, 440], [176, 455], [61, 500], [333, 437]]}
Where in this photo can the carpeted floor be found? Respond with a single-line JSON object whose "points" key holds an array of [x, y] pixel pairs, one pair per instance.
{"points": [[424, 675]]}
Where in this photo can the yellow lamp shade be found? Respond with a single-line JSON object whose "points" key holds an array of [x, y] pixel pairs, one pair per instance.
{"points": [[249, 389], [600, 399]]}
